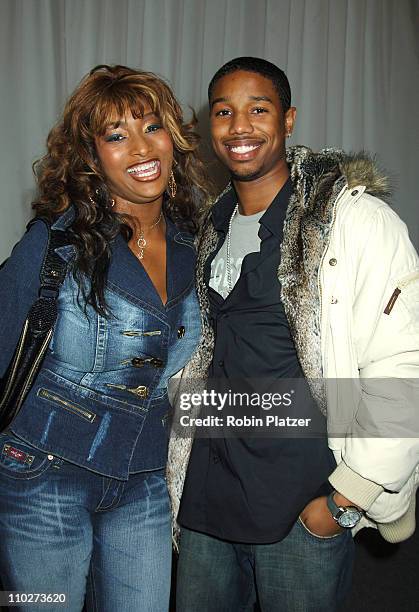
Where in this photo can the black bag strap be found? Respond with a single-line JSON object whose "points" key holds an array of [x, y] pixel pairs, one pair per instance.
{"points": [[37, 329], [43, 312]]}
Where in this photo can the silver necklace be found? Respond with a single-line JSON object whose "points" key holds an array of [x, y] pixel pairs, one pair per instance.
{"points": [[228, 258], [141, 241]]}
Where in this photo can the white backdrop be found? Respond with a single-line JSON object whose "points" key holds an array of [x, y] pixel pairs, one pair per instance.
{"points": [[353, 67]]}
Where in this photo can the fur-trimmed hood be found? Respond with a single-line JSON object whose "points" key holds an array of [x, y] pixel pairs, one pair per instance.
{"points": [[309, 167]]}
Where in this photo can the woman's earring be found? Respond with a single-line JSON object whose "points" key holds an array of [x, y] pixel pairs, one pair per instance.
{"points": [[112, 202], [172, 185]]}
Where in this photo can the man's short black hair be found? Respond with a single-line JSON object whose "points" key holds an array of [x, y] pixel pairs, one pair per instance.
{"points": [[262, 67]]}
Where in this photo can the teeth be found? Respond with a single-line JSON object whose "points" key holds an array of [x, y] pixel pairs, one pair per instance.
{"points": [[142, 169], [243, 148], [150, 173]]}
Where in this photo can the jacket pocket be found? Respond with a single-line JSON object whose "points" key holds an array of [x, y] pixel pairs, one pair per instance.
{"points": [[71, 406], [317, 537]]}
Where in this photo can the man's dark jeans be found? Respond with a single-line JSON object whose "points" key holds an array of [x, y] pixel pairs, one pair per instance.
{"points": [[302, 573]]}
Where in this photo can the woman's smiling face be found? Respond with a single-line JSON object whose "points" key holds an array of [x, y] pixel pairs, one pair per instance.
{"points": [[136, 156]]}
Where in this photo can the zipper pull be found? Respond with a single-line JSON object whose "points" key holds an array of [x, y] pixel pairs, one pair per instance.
{"points": [[392, 301]]}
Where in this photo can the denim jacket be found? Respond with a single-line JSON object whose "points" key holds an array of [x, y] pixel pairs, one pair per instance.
{"points": [[100, 398]]}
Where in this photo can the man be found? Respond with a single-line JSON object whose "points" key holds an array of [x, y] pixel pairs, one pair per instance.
{"points": [[303, 272]]}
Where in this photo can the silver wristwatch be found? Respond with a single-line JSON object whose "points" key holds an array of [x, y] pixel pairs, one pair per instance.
{"points": [[345, 516]]}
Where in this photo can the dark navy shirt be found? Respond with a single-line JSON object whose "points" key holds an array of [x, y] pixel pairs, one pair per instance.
{"points": [[253, 489]]}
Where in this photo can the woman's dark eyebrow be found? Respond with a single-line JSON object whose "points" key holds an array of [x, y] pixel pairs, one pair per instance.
{"points": [[115, 124]]}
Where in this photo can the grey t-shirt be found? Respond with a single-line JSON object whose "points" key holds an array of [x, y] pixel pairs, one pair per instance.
{"points": [[244, 240]]}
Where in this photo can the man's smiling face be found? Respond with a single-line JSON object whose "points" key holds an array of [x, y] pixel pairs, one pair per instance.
{"points": [[248, 125]]}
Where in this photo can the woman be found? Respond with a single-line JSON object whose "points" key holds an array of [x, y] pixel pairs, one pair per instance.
{"points": [[82, 484]]}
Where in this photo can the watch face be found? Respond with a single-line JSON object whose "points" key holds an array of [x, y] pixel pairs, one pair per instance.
{"points": [[350, 518]]}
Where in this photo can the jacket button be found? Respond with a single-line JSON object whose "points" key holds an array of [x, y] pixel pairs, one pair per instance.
{"points": [[181, 332], [354, 192], [141, 391], [333, 261], [137, 362], [221, 363]]}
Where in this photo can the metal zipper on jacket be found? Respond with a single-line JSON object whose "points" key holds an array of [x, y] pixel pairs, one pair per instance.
{"points": [[134, 333], [90, 416], [401, 285], [16, 361], [33, 370]]}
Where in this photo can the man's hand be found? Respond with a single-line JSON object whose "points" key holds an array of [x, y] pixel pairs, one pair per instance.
{"points": [[318, 519]]}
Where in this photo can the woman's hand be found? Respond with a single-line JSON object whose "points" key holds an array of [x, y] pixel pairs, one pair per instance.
{"points": [[318, 519]]}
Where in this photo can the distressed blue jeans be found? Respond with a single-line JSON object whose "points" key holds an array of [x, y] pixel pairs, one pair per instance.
{"points": [[63, 527], [302, 573]]}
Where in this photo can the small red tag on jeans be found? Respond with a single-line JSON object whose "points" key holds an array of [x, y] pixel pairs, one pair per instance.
{"points": [[17, 454]]}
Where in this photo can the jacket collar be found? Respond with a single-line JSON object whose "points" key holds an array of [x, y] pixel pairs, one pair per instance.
{"points": [[127, 273], [65, 219]]}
